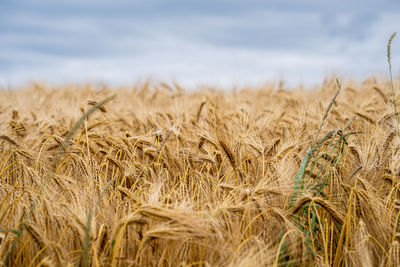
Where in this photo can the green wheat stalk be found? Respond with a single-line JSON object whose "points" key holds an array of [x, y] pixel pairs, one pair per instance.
{"points": [[389, 47], [299, 180]]}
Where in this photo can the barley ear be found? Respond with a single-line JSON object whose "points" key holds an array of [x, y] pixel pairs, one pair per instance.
{"points": [[389, 46]]}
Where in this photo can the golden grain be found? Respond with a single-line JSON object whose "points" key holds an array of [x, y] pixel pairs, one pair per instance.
{"points": [[200, 178]]}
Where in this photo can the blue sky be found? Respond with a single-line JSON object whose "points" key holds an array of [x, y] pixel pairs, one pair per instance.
{"points": [[195, 42]]}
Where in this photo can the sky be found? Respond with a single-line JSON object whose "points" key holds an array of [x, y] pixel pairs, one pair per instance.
{"points": [[208, 42]]}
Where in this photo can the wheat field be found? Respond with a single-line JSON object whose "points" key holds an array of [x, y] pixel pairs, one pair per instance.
{"points": [[161, 176]]}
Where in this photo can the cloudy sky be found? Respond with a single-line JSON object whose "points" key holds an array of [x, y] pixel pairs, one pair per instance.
{"points": [[195, 42]]}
